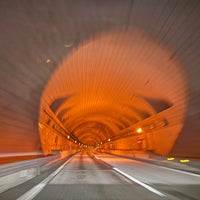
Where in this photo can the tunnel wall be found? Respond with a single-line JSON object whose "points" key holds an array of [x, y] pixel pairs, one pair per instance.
{"points": [[34, 32], [144, 144], [191, 144]]}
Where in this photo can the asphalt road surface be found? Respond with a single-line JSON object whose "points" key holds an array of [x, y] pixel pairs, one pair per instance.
{"points": [[99, 177]]}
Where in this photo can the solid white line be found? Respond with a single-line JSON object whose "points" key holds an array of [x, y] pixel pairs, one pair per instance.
{"points": [[97, 157], [180, 171], [168, 168], [140, 183], [37, 189]]}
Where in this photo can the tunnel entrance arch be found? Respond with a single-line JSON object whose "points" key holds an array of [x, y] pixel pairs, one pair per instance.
{"points": [[127, 75]]}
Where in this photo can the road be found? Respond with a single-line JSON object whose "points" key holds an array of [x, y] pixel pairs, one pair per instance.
{"points": [[88, 176]]}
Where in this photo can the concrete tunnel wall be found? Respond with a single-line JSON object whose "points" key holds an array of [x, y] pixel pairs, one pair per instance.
{"points": [[103, 90], [34, 32]]}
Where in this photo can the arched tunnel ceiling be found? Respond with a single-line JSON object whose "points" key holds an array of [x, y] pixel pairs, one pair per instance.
{"points": [[110, 83], [37, 39]]}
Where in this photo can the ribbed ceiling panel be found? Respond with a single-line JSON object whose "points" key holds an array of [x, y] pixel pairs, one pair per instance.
{"points": [[112, 77]]}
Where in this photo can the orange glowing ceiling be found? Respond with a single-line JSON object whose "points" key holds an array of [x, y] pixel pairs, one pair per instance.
{"points": [[111, 82]]}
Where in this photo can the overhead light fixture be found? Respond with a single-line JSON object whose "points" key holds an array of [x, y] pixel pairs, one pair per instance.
{"points": [[68, 45], [40, 125], [109, 140], [139, 130], [48, 61]]}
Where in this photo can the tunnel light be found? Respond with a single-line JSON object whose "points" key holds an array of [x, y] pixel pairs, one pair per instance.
{"points": [[170, 158], [101, 142], [48, 61], [184, 161], [75, 141], [139, 141], [68, 137], [40, 125], [139, 130], [109, 140], [68, 45]]}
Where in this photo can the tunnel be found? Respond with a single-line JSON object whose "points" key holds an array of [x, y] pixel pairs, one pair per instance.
{"points": [[97, 78], [102, 92]]}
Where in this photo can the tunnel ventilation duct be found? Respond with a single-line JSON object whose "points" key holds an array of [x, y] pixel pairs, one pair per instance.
{"points": [[141, 113], [58, 102], [62, 113], [158, 104]]}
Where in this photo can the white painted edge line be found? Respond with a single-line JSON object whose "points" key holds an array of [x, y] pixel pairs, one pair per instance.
{"points": [[140, 183], [172, 169], [168, 168], [37, 189], [137, 181], [97, 157], [180, 171]]}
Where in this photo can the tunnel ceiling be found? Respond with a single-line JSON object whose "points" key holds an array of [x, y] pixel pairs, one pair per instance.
{"points": [[111, 82], [115, 63]]}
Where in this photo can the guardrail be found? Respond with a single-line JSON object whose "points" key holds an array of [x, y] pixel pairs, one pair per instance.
{"points": [[13, 174], [10, 168]]}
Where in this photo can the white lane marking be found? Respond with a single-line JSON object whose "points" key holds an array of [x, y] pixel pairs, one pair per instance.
{"points": [[97, 157], [37, 189], [183, 172], [175, 170], [171, 169], [137, 181], [140, 183]]}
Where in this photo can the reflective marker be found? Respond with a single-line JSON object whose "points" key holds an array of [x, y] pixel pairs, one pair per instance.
{"points": [[184, 161], [171, 158]]}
